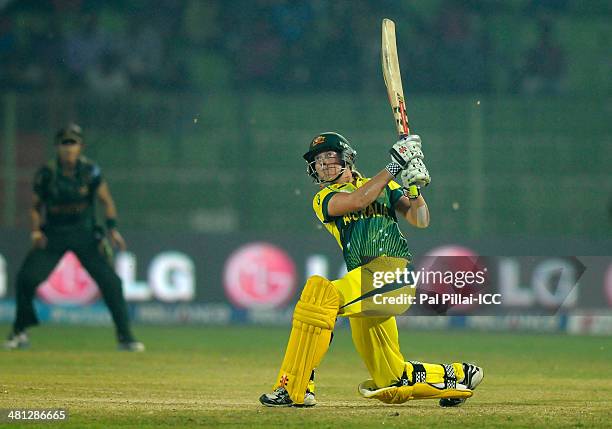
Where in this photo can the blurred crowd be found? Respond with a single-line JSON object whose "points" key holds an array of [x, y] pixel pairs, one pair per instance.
{"points": [[274, 45]]}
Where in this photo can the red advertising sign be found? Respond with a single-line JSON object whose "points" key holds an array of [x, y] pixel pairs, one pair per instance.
{"points": [[69, 283], [259, 275]]}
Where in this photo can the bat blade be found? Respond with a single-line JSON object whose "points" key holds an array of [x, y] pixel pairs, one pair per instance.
{"points": [[393, 78], [395, 91]]}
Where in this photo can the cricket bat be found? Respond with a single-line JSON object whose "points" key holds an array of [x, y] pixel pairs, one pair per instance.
{"points": [[393, 78], [393, 82]]}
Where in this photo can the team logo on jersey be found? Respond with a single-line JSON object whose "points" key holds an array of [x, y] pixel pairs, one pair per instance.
{"points": [[318, 140]]}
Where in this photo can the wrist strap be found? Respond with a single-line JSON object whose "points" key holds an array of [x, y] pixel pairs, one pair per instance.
{"points": [[412, 192], [111, 223], [394, 168]]}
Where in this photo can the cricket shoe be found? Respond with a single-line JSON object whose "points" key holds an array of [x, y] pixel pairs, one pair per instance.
{"points": [[309, 400], [17, 340], [280, 398], [130, 346], [309, 397], [473, 377]]}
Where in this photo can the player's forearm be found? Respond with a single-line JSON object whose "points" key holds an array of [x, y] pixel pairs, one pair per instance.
{"points": [[110, 210], [418, 213], [35, 219], [368, 193], [110, 214]]}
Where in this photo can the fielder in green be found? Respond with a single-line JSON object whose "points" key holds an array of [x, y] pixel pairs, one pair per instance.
{"points": [[362, 215], [63, 218]]}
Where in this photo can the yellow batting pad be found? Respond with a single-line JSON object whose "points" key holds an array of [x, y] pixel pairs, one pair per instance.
{"points": [[313, 322], [388, 395], [401, 394], [311, 386]]}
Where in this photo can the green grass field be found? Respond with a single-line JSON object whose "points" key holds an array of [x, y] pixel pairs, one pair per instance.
{"points": [[205, 376]]}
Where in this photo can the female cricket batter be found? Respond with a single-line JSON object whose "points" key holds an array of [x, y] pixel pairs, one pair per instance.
{"points": [[361, 215], [65, 191]]}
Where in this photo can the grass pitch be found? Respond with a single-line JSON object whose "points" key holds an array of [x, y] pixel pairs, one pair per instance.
{"points": [[206, 376]]}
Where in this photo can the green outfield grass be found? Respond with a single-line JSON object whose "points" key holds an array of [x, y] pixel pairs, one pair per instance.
{"points": [[205, 376]]}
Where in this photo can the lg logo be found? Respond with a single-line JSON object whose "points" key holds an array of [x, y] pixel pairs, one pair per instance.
{"points": [[259, 275], [170, 278]]}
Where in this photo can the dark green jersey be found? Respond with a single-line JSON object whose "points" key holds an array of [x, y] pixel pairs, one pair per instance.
{"points": [[368, 233], [68, 201]]}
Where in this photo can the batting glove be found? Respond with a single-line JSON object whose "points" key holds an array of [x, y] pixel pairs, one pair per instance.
{"points": [[415, 174], [407, 149]]}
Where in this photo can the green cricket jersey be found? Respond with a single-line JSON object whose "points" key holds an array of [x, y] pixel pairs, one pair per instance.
{"points": [[68, 201], [368, 233]]}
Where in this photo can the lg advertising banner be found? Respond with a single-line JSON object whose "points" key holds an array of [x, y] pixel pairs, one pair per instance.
{"points": [[232, 277], [246, 271]]}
